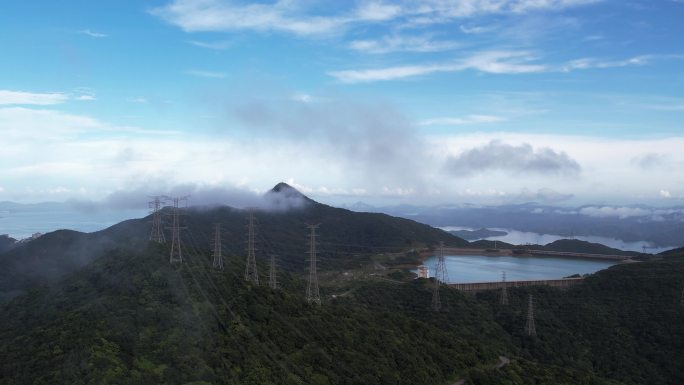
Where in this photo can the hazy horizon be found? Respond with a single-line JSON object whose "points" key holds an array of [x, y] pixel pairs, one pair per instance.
{"points": [[559, 102]]}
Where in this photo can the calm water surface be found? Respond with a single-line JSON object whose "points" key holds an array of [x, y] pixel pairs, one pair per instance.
{"points": [[478, 268], [21, 222]]}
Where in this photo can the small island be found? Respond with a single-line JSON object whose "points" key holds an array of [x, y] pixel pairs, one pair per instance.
{"points": [[472, 235]]}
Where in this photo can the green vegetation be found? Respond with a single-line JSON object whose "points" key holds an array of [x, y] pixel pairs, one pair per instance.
{"points": [[108, 308], [6, 243], [470, 235], [348, 240], [578, 246], [679, 252], [624, 323], [134, 319], [131, 318], [562, 245]]}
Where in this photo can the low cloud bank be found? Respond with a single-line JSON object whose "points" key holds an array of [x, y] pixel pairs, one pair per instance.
{"points": [[198, 196], [521, 159]]}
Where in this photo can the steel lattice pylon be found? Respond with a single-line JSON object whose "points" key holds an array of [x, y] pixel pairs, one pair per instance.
{"points": [[251, 273], [312, 294], [530, 328]]}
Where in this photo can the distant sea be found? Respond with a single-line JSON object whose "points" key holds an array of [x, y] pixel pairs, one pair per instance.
{"points": [[21, 221]]}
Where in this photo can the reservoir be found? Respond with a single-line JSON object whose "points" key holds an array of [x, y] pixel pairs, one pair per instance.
{"points": [[479, 268]]}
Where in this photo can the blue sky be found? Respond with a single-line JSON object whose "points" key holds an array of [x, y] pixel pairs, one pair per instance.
{"points": [[441, 101]]}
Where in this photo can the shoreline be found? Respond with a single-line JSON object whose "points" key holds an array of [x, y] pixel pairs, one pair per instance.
{"points": [[425, 254], [535, 253]]}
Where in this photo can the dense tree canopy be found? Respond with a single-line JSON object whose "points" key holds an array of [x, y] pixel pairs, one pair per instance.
{"points": [[132, 318]]}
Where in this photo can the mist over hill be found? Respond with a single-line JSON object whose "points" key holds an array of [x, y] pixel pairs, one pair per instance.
{"points": [[6, 243], [347, 239], [130, 317], [108, 307]]}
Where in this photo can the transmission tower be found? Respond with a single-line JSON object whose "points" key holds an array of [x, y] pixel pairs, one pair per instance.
{"points": [[440, 276], [218, 257], [176, 249], [440, 270], [504, 291], [251, 273], [312, 294], [157, 233], [436, 303], [529, 326], [272, 279]]}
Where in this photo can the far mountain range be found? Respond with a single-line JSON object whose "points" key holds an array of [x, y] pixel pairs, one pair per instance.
{"points": [[350, 239], [661, 227]]}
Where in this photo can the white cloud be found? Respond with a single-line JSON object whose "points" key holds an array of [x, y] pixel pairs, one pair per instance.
{"points": [[31, 98], [651, 160], [543, 195], [475, 193], [391, 73], [522, 159], [378, 11], [303, 97], [215, 15], [469, 30], [216, 45], [398, 43], [35, 124], [614, 212], [459, 121], [327, 148], [523, 6], [443, 10], [93, 34], [300, 18], [31, 127], [397, 191], [207, 74], [325, 190], [496, 62], [504, 62], [138, 99], [588, 63], [665, 194], [85, 97]]}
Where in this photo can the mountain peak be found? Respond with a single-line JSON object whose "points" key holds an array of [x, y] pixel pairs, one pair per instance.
{"points": [[284, 187], [284, 196]]}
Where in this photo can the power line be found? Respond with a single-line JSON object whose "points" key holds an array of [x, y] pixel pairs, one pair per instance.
{"points": [[441, 270], [272, 279], [504, 292], [312, 294], [251, 273], [530, 328], [176, 254], [218, 257], [157, 233], [441, 275], [436, 303]]}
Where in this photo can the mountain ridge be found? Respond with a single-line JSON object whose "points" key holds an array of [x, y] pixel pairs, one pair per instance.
{"points": [[347, 238]]}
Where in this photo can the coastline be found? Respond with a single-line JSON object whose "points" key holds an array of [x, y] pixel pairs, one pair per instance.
{"points": [[532, 253]]}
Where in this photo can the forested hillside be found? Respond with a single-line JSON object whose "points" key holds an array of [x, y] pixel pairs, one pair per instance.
{"points": [[132, 318], [348, 238]]}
